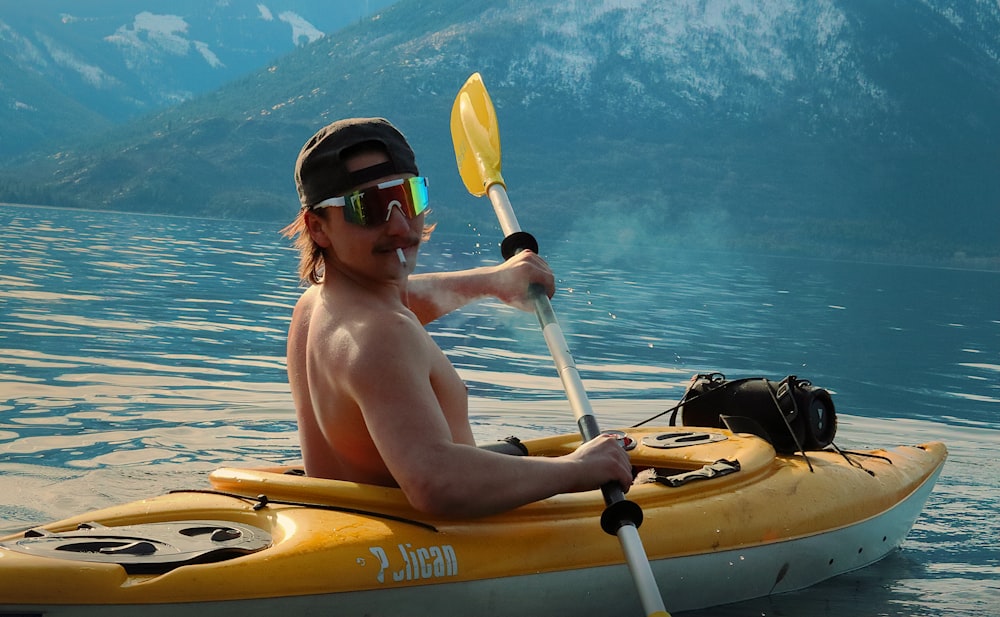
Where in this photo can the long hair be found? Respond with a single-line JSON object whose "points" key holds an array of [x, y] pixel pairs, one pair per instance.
{"points": [[310, 253]]}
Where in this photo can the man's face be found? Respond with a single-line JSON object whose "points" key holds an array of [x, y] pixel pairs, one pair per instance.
{"points": [[370, 249]]}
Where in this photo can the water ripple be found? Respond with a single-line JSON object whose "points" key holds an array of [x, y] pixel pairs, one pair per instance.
{"points": [[139, 352]]}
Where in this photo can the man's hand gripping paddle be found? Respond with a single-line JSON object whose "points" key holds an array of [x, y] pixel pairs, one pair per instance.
{"points": [[476, 136]]}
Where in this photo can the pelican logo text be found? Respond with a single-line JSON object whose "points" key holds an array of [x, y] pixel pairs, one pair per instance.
{"points": [[417, 563]]}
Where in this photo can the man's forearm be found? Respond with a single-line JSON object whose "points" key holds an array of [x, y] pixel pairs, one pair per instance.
{"points": [[434, 294]]}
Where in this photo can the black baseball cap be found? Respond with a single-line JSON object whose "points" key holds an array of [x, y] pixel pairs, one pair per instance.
{"points": [[320, 172]]}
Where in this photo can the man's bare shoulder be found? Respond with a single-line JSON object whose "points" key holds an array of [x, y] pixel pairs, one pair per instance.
{"points": [[358, 328], [304, 305]]}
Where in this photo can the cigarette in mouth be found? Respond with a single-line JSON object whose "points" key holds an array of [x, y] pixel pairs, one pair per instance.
{"points": [[402, 257]]}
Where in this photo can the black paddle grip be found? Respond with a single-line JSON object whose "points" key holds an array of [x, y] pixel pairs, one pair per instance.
{"points": [[516, 242], [618, 513]]}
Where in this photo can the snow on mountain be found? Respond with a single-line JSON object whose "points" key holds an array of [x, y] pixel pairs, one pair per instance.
{"points": [[150, 37], [115, 60], [706, 53], [207, 53], [20, 49], [91, 74], [303, 32], [265, 13]]}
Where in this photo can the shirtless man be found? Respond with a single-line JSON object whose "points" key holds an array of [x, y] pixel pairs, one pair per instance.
{"points": [[377, 400]]}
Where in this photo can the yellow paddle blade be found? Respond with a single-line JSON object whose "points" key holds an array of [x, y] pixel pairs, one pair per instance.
{"points": [[476, 136]]}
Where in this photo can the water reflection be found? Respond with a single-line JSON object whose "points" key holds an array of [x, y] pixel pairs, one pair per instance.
{"points": [[123, 315], [137, 353]]}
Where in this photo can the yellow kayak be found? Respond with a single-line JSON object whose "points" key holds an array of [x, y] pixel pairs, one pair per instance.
{"points": [[725, 519]]}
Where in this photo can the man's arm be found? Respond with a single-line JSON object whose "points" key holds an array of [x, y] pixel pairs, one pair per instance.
{"points": [[439, 474], [432, 295], [461, 481]]}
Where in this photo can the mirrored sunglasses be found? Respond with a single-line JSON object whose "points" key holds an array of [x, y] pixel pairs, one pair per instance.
{"points": [[373, 206]]}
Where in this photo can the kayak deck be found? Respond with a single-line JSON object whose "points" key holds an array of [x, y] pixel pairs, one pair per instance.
{"points": [[775, 523]]}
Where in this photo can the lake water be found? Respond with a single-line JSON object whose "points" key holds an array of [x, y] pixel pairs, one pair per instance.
{"points": [[137, 353]]}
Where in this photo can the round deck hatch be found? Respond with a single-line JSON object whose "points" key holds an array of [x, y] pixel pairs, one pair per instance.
{"points": [[150, 548]]}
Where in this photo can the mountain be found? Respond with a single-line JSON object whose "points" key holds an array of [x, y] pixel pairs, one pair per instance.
{"points": [[819, 127], [69, 67]]}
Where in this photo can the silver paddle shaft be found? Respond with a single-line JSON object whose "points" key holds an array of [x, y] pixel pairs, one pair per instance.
{"points": [[628, 533], [565, 365]]}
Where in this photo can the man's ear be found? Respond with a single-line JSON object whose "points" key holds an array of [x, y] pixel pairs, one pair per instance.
{"points": [[317, 228]]}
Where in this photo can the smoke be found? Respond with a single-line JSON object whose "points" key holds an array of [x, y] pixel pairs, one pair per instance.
{"points": [[621, 231]]}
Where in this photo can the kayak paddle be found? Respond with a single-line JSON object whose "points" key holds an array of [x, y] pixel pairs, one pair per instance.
{"points": [[476, 137]]}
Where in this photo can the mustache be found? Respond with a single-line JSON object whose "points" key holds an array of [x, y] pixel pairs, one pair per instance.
{"points": [[388, 247]]}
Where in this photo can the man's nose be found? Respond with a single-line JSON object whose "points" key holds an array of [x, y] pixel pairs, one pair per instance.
{"points": [[397, 220]]}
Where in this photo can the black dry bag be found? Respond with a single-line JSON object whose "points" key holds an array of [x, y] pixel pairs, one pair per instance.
{"points": [[791, 414]]}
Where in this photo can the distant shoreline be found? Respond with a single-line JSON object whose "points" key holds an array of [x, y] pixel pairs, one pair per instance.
{"points": [[958, 261]]}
